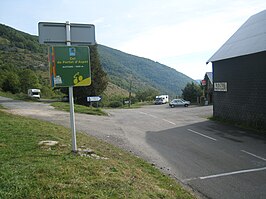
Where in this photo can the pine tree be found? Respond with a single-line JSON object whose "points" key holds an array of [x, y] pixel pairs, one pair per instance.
{"points": [[99, 80], [191, 92]]}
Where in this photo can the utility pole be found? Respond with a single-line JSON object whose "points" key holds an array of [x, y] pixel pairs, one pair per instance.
{"points": [[130, 85]]}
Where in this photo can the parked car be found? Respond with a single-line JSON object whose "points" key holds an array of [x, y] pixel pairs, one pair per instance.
{"points": [[179, 102], [158, 101]]}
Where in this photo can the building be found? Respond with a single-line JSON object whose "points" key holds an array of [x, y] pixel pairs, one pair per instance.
{"points": [[208, 87], [239, 74]]}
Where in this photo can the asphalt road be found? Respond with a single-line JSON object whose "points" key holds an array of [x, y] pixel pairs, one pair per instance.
{"points": [[215, 160]]}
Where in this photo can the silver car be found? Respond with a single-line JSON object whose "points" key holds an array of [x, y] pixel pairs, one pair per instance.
{"points": [[179, 102]]}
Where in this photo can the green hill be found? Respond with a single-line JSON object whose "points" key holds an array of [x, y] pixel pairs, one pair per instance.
{"points": [[19, 49], [123, 68]]}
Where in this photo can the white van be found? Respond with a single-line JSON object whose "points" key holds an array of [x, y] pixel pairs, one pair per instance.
{"points": [[34, 93], [164, 98]]}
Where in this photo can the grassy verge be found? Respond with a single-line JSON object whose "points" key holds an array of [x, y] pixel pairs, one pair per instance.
{"points": [[18, 96], [31, 171], [140, 104], [78, 108]]}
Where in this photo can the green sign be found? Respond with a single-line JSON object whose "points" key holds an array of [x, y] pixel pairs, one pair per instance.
{"points": [[69, 66]]}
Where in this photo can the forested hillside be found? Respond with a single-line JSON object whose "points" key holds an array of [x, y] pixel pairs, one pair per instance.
{"points": [[123, 68], [20, 51]]}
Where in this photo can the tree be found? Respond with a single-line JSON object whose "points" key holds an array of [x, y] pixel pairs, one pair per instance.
{"points": [[11, 83], [191, 92], [147, 94], [99, 80], [28, 79]]}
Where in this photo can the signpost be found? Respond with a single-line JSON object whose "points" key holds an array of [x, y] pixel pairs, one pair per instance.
{"points": [[69, 65], [94, 99]]}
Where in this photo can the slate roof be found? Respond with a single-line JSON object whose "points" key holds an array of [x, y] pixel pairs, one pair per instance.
{"points": [[248, 39]]}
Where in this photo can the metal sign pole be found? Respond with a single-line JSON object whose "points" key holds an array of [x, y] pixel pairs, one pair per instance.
{"points": [[71, 100], [61, 34]]}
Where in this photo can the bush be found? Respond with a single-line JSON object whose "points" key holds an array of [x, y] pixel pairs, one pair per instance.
{"points": [[115, 104], [47, 92], [11, 83]]}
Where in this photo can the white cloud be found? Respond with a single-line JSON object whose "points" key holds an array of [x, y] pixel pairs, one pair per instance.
{"points": [[98, 21]]}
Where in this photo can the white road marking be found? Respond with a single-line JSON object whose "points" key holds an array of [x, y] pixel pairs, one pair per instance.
{"points": [[232, 173], [143, 113], [225, 174], [156, 117], [153, 116], [202, 135], [169, 121], [148, 114], [256, 156]]}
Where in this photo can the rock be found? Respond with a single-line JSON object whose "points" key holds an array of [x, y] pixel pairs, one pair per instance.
{"points": [[85, 151], [48, 143]]}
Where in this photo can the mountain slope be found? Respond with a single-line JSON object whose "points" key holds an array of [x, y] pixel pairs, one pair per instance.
{"points": [[22, 50], [123, 68]]}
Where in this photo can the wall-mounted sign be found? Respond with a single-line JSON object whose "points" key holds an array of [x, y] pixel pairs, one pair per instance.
{"points": [[69, 66], [203, 82], [220, 86]]}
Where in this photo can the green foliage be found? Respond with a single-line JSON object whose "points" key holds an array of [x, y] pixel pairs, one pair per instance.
{"points": [[112, 100], [13, 38], [28, 80], [47, 92], [11, 83], [115, 104], [123, 68], [147, 94], [191, 92]]}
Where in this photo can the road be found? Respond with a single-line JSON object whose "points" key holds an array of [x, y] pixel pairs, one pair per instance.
{"points": [[215, 160]]}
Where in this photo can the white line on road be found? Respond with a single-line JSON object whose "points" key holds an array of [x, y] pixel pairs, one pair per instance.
{"points": [[169, 121], [156, 117], [225, 174], [202, 135], [259, 157], [232, 173], [148, 114], [153, 116], [143, 113]]}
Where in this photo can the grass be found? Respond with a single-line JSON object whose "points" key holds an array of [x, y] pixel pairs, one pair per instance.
{"points": [[17, 96], [64, 106], [31, 171]]}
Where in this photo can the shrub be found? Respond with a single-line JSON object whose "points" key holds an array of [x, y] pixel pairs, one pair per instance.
{"points": [[115, 104]]}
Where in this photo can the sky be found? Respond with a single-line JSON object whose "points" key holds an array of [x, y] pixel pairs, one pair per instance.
{"points": [[180, 34]]}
